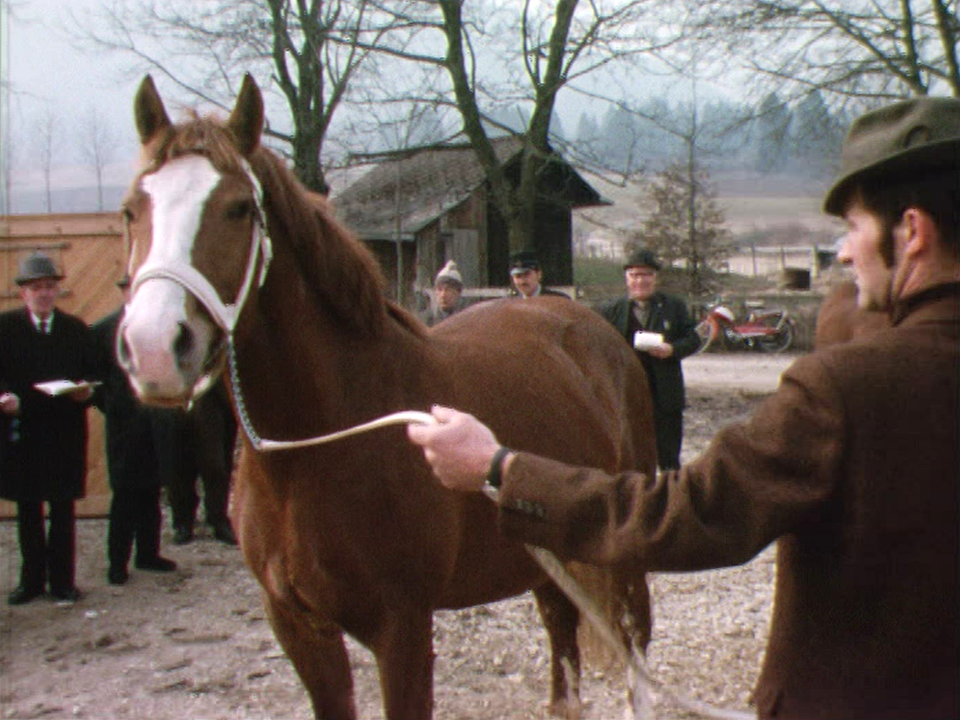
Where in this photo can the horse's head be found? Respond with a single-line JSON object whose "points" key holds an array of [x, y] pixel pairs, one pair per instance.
{"points": [[197, 245]]}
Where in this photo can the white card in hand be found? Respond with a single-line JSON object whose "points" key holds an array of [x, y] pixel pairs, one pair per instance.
{"points": [[645, 340]]}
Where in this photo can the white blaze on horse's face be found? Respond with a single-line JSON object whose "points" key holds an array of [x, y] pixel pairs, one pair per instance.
{"points": [[165, 335]]}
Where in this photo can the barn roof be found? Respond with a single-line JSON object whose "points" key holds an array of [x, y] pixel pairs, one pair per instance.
{"points": [[418, 186]]}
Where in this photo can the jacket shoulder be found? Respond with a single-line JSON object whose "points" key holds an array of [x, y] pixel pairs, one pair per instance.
{"points": [[610, 307]]}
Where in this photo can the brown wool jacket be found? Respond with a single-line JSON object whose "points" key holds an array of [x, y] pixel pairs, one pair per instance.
{"points": [[852, 466]]}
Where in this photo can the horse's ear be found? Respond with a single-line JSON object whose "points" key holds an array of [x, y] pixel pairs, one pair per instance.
{"points": [[148, 111], [246, 120]]}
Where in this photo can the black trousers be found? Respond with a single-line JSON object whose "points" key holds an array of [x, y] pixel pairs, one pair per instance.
{"points": [[669, 429], [198, 449], [134, 516], [47, 555]]}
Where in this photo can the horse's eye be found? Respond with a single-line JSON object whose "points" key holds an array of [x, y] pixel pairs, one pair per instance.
{"points": [[239, 210], [127, 213]]}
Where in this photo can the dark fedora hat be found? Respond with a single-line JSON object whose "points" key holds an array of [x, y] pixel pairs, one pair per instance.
{"points": [[36, 266], [642, 257], [523, 261], [915, 135]]}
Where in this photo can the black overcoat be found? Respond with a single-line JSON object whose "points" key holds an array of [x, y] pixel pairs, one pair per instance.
{"points": [[132, 461], [670, 317], [43, 453]]}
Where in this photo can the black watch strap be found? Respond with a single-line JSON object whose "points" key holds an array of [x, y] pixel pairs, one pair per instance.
{"points": [[495, 476]]}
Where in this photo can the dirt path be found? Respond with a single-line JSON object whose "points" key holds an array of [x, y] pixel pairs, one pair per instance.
{"points": [[196, 644]]}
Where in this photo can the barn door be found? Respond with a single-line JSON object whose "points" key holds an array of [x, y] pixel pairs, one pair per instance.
{"points": [[464, 248]]}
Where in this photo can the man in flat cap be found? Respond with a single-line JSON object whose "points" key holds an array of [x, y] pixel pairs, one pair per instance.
{"points": [[852, 466], [527, 276], [659, 328], [44, 438]]}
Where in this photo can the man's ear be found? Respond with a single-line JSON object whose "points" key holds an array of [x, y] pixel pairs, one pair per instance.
{"points": [[918, 231]]}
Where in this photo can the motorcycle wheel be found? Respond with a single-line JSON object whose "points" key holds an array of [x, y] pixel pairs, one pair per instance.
{"points": [[779, 342], [706, 331]]}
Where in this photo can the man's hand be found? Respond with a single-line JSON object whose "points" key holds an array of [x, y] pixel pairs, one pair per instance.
{"points": [[81, 394], [9, 404], [661, 351], [459, 448]]}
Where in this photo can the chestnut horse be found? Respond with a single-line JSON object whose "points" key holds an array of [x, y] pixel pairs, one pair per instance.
{"points": [[839, 319], [235, 263]]}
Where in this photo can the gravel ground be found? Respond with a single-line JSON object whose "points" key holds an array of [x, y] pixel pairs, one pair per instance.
{"points": [[195, 643]]}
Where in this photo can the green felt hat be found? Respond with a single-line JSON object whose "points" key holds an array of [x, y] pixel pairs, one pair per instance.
{"points": [[910, 136]]}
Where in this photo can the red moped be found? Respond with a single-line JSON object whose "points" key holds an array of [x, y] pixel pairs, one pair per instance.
{"points": [[770, 331]]}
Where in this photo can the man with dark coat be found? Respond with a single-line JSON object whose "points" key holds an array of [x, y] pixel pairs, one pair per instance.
{"points": [[852, 466], [659, 328], [44, 443], [133, 461]]}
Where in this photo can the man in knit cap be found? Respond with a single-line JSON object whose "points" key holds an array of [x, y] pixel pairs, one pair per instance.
{"points": [[447, 295]]}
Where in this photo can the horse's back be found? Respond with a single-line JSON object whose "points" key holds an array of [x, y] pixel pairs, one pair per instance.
{"points": [[583, 393]]}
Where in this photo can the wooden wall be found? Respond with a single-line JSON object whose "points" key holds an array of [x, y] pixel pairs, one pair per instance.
{"points": [[88, 249]]}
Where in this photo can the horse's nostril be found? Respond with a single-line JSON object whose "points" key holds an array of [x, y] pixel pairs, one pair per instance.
{"points": [[183, 344]]}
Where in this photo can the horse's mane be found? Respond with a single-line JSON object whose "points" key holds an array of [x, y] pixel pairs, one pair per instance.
{"points": [[343, 275]]}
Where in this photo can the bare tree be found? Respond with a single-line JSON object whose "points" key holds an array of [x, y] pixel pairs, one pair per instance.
{"points": [[524, 54], [97, 143], [47, 140], [851, 49], [311, 50]]}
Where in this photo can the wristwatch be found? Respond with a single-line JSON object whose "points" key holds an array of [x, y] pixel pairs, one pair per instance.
{"points": [[495, 475]]}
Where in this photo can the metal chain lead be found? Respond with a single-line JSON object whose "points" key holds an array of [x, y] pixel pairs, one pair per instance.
{"points": [[238, 401]]}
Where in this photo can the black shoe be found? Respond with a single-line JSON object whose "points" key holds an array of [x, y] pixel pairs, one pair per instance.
{"points": [[70, 594], [182, 535], [224, 533], [23, 594], [156, 564], [117, 575]]}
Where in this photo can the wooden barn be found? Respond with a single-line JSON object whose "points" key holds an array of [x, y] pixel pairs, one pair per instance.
{"points": [[88, 249], [419, 208]]}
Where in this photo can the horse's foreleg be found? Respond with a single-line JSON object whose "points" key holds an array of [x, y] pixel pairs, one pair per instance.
{"points": [[316, 649], [404, 652], [560, 618]]}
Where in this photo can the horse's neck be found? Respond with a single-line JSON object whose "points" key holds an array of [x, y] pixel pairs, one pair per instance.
{"points": [[300, 374]]}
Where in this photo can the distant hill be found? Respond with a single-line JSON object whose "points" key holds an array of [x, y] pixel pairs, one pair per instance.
{"points": [[782, 208], [66, 200]]}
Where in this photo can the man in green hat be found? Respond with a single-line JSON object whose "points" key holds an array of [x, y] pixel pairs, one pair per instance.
{"points": [[43, 438], [852, 466]]}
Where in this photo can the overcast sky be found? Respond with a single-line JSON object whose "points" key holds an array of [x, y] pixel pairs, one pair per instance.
{"points": [[43, 73]]}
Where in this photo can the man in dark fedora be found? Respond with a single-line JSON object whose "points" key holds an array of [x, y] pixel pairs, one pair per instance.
{"points": [[659, 328], [852, 466], [527, 276], [44, 439], [134, 449]]}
